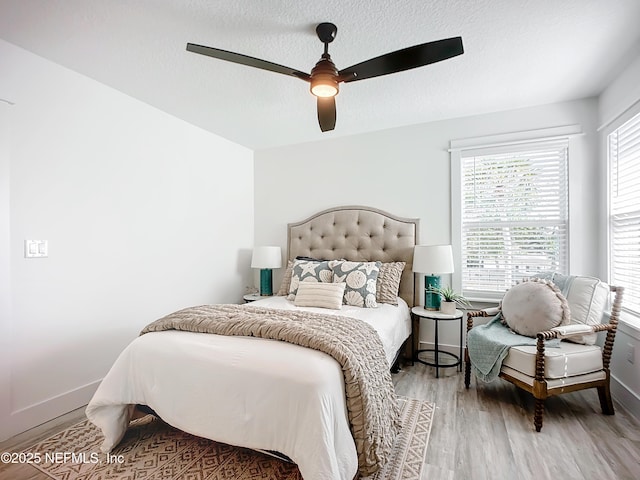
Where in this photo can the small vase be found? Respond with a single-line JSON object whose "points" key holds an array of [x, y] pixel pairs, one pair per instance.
{"points": [[448, 308]]}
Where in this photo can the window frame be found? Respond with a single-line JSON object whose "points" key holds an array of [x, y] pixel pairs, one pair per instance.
{"points": [[629, 316], [457, 150]]}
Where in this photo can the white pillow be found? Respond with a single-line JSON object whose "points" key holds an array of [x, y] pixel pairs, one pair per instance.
{"points": [[534, 306], [323, 295], [587, 298]]}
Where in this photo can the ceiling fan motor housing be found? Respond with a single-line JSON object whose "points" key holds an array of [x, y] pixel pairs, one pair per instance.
{"points": [[324, 78]]}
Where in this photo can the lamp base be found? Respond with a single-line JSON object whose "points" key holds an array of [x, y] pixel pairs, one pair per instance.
{"points": [[266, 282], [431, 299]]}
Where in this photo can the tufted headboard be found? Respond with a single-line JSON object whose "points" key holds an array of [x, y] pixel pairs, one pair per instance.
{"points": [[359, 234]]}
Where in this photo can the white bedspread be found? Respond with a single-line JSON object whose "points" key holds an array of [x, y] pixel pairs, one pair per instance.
{"points": [[393, 323], [244, 391]]}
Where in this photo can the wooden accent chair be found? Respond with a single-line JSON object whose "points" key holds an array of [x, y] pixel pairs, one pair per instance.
{"points": [[553, 371]]}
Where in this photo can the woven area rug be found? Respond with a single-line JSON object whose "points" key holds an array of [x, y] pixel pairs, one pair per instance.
{"points": [[154, 450]]}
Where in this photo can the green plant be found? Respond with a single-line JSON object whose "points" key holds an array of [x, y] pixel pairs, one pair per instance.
{"points": [[449, 295]]}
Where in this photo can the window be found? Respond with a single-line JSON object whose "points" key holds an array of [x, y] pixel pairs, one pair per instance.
{"points": [[624, 211], [514, 214]]}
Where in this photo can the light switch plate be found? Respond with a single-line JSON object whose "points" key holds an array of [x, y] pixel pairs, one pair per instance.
{"points": [[36, 248]]}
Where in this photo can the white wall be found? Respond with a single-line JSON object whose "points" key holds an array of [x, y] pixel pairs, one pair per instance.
{"points": [[406, 171], [137, 207], [5, 277], [619, 102], [621, 94]]}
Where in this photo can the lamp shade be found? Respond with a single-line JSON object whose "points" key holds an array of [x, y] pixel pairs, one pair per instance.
{"points": [[266, 257], [433, 259]]}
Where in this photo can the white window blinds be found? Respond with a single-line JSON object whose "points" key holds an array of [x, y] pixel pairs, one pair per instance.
{"points": [[514, 214], [624, 211]]}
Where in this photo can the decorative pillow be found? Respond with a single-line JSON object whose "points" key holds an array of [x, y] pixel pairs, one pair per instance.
{"points": [[361, 279], [587, 298], [534, 306], [308, 271], [389, 282], [286, 280], [323, 295]]}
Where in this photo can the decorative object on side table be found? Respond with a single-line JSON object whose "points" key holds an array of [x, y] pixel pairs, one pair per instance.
{"points": [[450, 299], [432, 260], [266, 259]]}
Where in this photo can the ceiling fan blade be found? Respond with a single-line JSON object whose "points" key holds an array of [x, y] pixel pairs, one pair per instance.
{"points": [[327, 113], [405, 59], [246, 60]]}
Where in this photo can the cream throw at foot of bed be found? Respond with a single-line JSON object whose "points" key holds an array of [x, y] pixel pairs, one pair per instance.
{"points": [[370, 396]]}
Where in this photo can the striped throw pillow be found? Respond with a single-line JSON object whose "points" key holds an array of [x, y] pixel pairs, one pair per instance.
{"points": [[317, 294]]}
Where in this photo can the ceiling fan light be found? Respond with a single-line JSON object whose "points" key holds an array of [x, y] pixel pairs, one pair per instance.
{"points": [[324, 87]]}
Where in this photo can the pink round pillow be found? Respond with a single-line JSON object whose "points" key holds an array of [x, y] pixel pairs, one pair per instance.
{"points": [[534, 306]]}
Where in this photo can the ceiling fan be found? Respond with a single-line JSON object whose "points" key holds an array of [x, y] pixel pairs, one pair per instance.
{"points": [[325, 78]]}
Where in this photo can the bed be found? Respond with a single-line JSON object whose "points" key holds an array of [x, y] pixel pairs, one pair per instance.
{"points": [[260, 393]]}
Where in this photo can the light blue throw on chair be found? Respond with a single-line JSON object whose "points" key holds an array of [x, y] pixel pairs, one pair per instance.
{"points": [[489, 344]]}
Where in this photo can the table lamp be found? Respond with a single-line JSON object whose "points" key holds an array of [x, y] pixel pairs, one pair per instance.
{"points": [[266, 258], [432, 260]]}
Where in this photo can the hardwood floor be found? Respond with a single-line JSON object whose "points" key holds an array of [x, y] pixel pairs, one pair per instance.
{"points": [[485, 432]]}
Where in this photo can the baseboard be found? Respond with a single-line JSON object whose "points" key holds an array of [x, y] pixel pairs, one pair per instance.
{"points": [[39, 413], [625, 396]]}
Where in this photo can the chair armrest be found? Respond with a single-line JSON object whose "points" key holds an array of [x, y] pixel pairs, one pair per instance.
{"points": [[574, 329], [565, 331], [487, 312], [492, 311]]}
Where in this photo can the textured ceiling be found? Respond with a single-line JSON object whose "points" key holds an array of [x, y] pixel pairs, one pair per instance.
{"points": [[517, 53]]}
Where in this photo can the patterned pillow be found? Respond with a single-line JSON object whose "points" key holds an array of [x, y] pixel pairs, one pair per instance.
{"points": [[389, 282], [323, 295], [286, 279], [308, 271], [361, 279]]}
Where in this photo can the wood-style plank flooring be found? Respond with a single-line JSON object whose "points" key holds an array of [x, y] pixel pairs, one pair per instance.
{"points": [[485, 432]]}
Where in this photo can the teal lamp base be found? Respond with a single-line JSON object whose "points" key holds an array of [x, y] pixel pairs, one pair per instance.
{"points": [[431, 299], [266, 282]]}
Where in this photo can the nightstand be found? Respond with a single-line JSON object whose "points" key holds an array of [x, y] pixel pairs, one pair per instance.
{"points": [[420, 312], [251, 297]]}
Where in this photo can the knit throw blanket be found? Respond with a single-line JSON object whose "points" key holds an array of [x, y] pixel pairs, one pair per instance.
{"points": [[373, 410], [489, 344]]}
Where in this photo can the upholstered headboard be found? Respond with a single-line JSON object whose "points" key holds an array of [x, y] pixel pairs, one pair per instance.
{"points": [[359, 234]]}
